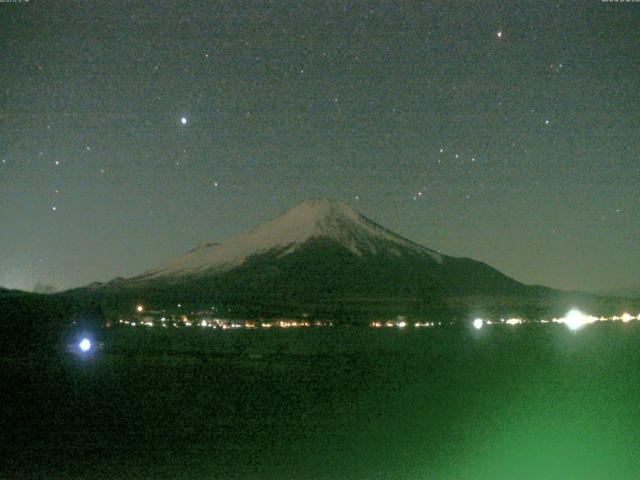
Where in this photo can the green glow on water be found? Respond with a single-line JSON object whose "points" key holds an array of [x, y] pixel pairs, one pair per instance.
{"points": [[573, 414]]}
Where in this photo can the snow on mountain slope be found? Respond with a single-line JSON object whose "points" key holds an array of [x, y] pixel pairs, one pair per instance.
{"points": [[313, 219]]}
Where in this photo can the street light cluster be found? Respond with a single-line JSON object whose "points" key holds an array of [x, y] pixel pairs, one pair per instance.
{"points": [[574, 320]]}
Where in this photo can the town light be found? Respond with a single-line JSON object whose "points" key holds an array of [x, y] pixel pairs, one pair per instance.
{"points": [[575, 319], [477, 323]]}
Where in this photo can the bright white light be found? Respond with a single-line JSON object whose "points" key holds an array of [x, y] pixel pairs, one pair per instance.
{"points": [[499, 34], [575, 319], [626, 317], [477, 323], [402, 324], [85, 344], [183, 120]]}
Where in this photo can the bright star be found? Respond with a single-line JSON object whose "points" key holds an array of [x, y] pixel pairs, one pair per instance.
{"points": [[499, 34], [183, 120]]}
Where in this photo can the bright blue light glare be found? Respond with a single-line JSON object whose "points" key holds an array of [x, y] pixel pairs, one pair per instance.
{"points": [[85, 344]]}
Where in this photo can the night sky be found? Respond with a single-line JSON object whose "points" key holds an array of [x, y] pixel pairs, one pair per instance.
{"points": [[503, 131]]}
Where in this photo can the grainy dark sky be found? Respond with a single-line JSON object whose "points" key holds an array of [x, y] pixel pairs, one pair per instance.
{"points": [[503, 131]]}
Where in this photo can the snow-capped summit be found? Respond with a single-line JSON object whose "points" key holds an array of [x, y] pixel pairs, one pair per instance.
{"points": [[319, 219]]}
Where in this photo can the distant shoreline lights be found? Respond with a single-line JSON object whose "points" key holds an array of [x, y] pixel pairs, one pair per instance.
{"points": [[574, 320]]}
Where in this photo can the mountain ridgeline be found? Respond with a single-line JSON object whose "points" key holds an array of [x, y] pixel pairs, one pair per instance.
{"points": [[324, 259]]}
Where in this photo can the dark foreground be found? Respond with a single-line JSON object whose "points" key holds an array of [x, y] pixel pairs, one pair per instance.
{"points": [[527, 402]]}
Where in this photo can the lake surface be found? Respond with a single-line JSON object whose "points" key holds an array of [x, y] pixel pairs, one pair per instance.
{"points": [[527, 402]]}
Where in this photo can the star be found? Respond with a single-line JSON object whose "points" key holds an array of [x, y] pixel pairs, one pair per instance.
{"points": [[183, 120], [499, 34]]}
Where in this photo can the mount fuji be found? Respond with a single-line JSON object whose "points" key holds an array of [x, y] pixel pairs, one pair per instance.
{"points": [[332, 223], [322, 257]]}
